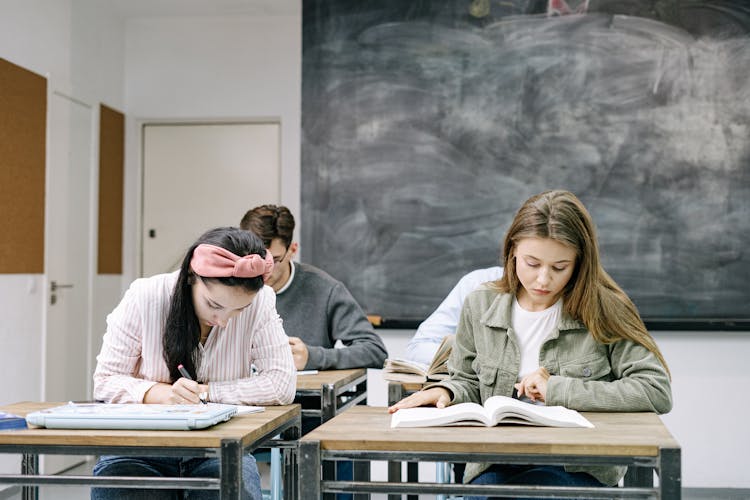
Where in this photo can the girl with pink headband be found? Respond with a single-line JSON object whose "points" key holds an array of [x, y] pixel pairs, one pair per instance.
{"points": [[212, 319]]}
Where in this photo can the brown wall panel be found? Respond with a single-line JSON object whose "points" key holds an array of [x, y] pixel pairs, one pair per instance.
{"points": [[111, 188], [23, 111]]}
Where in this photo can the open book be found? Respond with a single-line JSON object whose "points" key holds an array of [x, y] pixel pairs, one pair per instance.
{"points": [[496, 410], [404, 370]]}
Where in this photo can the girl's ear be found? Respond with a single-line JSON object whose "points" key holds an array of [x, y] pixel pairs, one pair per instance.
{"points": [[293, 248]]}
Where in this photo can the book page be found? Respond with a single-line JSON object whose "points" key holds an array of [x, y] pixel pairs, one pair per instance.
{"points": [[407, 378], [438, 369], [405, 366], [403, 370], [503, 408], [460, 414], [242, 409]]}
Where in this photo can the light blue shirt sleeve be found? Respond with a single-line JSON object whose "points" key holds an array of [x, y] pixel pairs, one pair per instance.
{"points": [[443, 321]]}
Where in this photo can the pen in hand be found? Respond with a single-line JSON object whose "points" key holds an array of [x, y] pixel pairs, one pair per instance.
{"points": [[202, 396]]}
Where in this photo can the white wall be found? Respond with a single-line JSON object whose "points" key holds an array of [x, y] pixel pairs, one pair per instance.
{"points": [[710, 414], [213, 68]]}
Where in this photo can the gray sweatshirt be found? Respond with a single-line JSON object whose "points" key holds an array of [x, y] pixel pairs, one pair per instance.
{"points": [[320, 310]]}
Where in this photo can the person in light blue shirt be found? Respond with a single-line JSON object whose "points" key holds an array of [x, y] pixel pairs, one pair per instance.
{"points": [[423, 346]]}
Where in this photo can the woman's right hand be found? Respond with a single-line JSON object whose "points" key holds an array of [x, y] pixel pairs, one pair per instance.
{"points": [[437, 396]]}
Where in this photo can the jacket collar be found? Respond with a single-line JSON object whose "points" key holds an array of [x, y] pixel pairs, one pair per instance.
{"points": [[499, 312]]}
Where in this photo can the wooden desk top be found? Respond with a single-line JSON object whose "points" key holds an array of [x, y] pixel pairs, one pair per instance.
{"points": [[337, 378], [247, 427], [614, 434]]}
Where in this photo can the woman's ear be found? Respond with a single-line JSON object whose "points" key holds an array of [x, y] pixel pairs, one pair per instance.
{"points": [[293, 248]]}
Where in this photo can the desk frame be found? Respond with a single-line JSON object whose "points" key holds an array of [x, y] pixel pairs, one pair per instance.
{"points": [[230, 452], [666, 462], [337, 390], [336, 395]]}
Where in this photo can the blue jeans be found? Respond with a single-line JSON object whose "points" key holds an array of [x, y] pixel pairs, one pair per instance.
{"points": [[541, 475], [171, 467]]}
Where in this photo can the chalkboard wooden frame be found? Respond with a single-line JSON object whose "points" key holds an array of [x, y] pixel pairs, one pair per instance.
{"points": [[426, 124]]}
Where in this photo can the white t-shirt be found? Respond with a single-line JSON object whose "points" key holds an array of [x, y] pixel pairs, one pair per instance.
{"points": [[532, 328]]}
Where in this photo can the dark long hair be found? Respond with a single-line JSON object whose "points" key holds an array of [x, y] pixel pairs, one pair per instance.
{"points": [[182, 331]]}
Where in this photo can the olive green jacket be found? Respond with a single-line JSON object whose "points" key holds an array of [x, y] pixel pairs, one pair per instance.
{"points": [[585, 375]]}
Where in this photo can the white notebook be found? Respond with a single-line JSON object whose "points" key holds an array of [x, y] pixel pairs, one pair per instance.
{"points": [[132, 416]]}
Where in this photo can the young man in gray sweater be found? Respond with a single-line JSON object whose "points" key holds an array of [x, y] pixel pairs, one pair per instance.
{"points": [[317, 310]]}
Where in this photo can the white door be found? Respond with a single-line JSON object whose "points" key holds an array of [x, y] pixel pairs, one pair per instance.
{"points": [[68, 250], [200, 176]]}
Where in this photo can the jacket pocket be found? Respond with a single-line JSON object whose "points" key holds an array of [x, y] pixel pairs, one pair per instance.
{"points": [[493, 380], [487, 375], [594, 367]]}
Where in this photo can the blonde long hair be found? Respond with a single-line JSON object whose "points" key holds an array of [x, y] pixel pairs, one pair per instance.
{"points": [[591, 295]]}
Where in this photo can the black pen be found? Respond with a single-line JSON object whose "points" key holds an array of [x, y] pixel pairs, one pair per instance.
{"points": [[202, 396]]}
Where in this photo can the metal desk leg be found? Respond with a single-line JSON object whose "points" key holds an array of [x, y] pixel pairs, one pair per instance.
{"points": [[327, 403], [395, 394], [231, 470], [670, 474], [309, 470], [291, 462], [30, 466], [327, 412]]}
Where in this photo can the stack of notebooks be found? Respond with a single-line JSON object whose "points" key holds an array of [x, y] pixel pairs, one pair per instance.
{"points": [[404, 370]]}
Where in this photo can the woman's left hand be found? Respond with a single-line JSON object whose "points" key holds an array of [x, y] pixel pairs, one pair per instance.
{"points": [[183, 391], [534, 385]]}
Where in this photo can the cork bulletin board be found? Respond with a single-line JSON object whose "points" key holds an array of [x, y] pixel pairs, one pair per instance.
{"points": [[111, 178], [23, 110]]}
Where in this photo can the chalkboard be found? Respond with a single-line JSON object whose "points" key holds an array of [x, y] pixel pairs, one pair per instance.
{"points": [[426, 124]]}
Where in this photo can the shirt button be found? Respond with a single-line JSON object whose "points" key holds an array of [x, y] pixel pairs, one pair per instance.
{"points": [[587, 372]]}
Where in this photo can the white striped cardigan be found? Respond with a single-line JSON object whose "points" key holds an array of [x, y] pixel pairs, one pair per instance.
{"points": [[131, 361]]}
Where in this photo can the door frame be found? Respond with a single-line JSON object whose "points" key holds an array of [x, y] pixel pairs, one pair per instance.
{"points": [[86, 283], [54, 92]]}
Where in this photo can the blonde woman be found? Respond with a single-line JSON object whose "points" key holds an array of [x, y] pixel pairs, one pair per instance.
{"points": [[555, 329]]}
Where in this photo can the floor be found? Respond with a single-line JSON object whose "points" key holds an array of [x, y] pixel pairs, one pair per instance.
{"points": [[82, 493]]}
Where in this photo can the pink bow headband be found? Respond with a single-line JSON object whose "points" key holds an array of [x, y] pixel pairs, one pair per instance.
{"points": [[211, 261]]}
